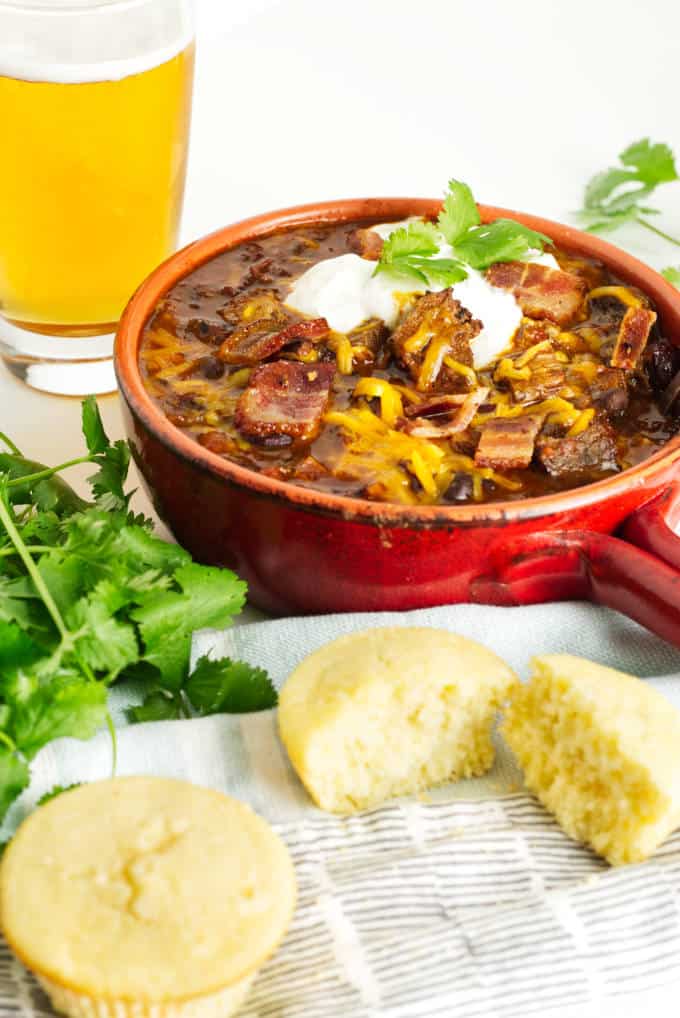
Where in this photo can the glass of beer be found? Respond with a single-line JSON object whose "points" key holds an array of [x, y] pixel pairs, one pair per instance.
{"points": [[95, 104]]}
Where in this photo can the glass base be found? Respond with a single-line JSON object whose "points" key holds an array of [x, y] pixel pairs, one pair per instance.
{"points": [[65, 367]]}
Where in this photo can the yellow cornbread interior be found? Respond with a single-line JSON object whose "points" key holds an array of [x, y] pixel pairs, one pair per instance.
{"points": [[601, 750], [140, 894], [390, 712]]}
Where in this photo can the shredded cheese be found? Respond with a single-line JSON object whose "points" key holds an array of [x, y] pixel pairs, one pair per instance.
{"points": [[529, 354], [344, 355], [507, 369], [419, 340], [461, 369], [433, 361], [385, 458], [621, 293], [581, 423], [391, 406]]}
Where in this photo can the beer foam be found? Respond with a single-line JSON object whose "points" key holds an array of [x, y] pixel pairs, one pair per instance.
{"points": [[89, 42]]}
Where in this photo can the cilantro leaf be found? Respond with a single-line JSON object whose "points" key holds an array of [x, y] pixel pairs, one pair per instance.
{"points": [[417, 238], [157, 706], [113, 466], [217, 686], [14, 777], [93, 428], [104, 643], [672, 274], [653, 163], [55, 791], [17, 649], [459, 212], [55, 709], [209, 597], [503, 240]]}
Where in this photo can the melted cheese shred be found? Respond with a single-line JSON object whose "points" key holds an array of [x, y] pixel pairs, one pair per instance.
{"points": [[391, 404]]}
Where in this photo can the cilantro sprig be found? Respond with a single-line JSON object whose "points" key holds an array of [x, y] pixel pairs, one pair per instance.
{"points": [[414, 251], [410, 252], [672, 274], [89, 596], [620, 193]]}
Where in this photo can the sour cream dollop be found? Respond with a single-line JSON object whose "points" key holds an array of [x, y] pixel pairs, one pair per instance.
{"points": [[345, 292]]}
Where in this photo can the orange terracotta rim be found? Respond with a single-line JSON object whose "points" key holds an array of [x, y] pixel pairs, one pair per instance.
{"points": [[142, 304]]}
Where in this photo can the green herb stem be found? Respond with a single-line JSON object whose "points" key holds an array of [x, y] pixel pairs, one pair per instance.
{"points": [[31, 568], [4, 552], [43, 475], [114, 744], [10, 444], [4, 737], [655, 229]]}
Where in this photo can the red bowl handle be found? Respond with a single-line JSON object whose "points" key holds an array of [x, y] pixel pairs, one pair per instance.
{"points": [[653, 526], [637, 573]]}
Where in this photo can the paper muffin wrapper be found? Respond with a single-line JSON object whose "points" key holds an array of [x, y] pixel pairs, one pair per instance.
{"points": [[84, 1005]]}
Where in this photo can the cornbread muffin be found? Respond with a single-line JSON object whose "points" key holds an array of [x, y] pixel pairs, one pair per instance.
{"points": [[601, 750], [145, 897], [389, 712]]}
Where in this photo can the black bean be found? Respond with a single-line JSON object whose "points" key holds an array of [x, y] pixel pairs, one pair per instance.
{"points": [[661, 362], [211, 367], [460, 488], [614, 401]]}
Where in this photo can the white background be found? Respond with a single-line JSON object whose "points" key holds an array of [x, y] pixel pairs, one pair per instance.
{"points": [[306, 99]]}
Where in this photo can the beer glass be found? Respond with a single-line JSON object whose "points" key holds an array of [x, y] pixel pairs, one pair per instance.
{"points": [[95, 102]]}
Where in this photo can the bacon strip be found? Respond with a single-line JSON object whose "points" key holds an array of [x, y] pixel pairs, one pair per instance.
{"points": [[507, 443], [284, 400], [436, 406], [541, 292], [253, 342], [632, 338], [422, 428]]}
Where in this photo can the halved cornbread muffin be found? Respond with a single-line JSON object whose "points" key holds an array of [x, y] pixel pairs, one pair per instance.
{"points": [[145, 896], [601, 750], [389, 712]]}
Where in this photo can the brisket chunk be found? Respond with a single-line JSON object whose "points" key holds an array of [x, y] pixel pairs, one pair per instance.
{"points": [[541, 292], [507, 443], [436, 318], [285, 400], [545, 379], [592, 451], [609, 390]]}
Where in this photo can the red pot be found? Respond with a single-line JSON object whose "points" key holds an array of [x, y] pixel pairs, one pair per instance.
{"points": [[307, 551]]}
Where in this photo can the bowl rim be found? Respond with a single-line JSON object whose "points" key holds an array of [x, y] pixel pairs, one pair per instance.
{"points": [[142, 303]]}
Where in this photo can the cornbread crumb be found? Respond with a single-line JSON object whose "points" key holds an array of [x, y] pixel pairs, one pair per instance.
{"points": [[141, 897], [391, 712], [601, 750]]}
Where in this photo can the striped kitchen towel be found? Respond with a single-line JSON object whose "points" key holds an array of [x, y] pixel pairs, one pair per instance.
{"points": [[467, 903]]}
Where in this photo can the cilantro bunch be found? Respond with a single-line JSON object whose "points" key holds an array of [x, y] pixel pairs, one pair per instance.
{"points": [[88, 596], [619, 194], [413, 251]]}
